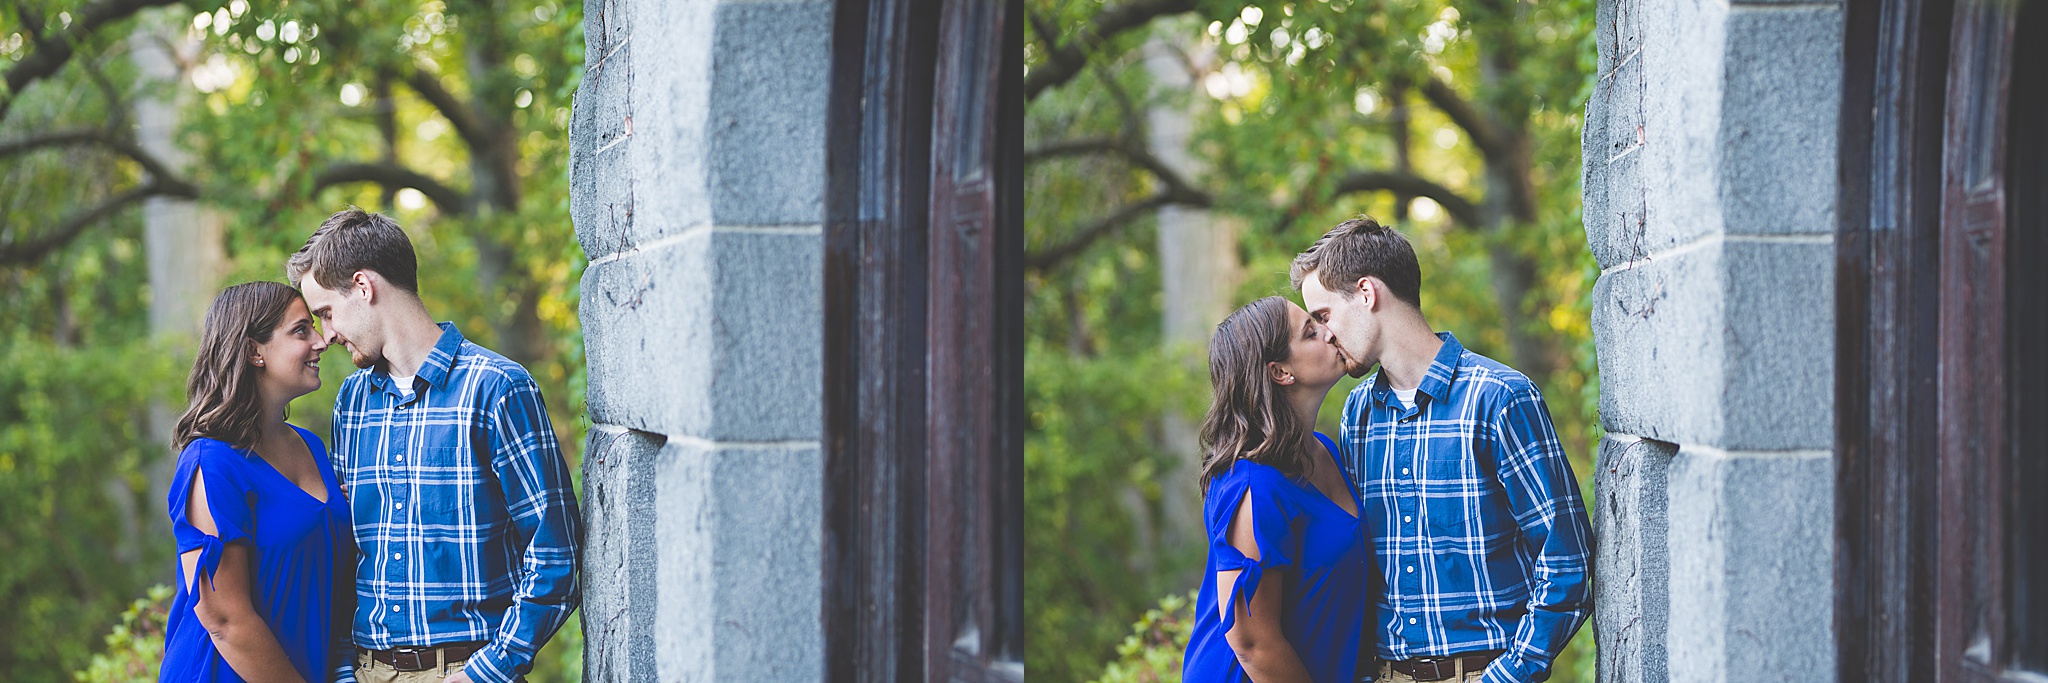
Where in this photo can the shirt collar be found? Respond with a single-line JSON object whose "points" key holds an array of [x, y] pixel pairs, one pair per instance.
{"points": [[1436, 381], [436, 368]]}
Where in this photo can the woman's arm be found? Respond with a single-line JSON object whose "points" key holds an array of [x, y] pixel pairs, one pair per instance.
{"points": [[1256, 636], [224, 607]]}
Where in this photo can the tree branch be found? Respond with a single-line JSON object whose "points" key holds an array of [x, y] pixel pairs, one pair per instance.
{"points": [[473, 129], [1178, 190], [53, 51], [1484, 133], [391, 176], [1045, 259], [1065, 60], [1462, 210], [160, 175], [16, 253]]}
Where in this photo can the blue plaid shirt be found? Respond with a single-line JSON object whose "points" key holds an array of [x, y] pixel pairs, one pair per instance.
{"points": [[1475, 517], [465, 517]]}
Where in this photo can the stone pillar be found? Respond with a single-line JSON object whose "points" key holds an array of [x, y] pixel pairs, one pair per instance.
{"points": [[1710, 192], [697, 172]]}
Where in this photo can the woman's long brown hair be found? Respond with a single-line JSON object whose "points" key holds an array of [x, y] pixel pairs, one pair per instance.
{"points": [[222, 388], [1249, 418]]}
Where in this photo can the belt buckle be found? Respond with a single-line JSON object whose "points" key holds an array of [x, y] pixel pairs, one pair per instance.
{"points": [[408, 658], [1436, 668]]}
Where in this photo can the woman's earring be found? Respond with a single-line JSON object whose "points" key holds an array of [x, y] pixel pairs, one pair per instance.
{"points": [[259, 362]]}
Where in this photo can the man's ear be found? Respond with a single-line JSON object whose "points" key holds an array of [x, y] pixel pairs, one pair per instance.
{"points": [[364, 285], [1370, 289]]}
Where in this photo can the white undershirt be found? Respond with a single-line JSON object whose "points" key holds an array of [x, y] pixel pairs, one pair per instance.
{"points": [[1407, 397], [405, 385]]}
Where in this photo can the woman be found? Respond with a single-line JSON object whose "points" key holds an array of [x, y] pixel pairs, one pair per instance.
{"points": [[1284, 597], [264, 542]]}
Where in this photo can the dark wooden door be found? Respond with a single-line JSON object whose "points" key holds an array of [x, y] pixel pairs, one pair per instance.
{"points": [[1970, 615], [974, 567], [1942, 518], [924, 343], [1887, 316], [2026, 173]]}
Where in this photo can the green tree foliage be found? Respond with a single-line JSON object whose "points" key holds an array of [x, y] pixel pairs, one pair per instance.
{"points": [[451, 116], [73, 492], [1152, 652], [135, 647], [1457, 122]]}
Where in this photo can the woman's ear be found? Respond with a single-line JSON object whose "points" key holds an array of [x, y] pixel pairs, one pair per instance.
{"points": [[1279, 374]]}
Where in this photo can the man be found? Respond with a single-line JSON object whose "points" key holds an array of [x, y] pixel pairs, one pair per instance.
{"points": [[464, 512], [1472, 509]]}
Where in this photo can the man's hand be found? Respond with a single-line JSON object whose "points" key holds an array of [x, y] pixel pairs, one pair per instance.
{"points": [[457, 677]]}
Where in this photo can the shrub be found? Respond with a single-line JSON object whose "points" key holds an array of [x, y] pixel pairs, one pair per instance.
{"points": [[1152, 652], [135, 648]]}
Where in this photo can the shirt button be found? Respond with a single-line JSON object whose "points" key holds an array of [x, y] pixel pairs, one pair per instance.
{"points": [[1411, 620], [1411, 569], [1404, 470], [401, 556], [401, 608], [398, 458], [1405, 519], [401, 506]]}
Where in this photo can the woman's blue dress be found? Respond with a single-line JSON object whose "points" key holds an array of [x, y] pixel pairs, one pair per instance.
{"points": [[297, 544], [1309, 539]]}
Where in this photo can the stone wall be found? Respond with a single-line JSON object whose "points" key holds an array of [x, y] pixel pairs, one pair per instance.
{"points": [[697, 172], [1710, 192]]}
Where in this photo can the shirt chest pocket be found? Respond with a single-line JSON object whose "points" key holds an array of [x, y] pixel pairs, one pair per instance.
{"points": [[438, 483], [1460, 497], [1447, 483]]}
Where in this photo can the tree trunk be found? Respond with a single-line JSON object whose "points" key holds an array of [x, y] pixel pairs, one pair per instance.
{"points": [[494, 168], [182, 239], [1198, 265], [1511, 204]]}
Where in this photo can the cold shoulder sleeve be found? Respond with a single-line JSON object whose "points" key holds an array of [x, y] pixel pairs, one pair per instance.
{"points": [[1272, 528], [220, 469]]}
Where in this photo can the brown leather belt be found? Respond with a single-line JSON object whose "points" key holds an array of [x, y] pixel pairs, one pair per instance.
{"points": [[1441, 668], [424, 658]]}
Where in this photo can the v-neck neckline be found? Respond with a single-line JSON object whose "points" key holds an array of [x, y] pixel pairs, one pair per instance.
{"points": [[1348, 488], [325, 484]]}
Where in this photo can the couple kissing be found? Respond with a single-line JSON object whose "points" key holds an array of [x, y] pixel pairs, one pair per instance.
{"points": [[1439, 537]]}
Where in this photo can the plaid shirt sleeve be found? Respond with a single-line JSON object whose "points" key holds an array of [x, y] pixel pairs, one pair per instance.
{"points": [[1544, 497], [541, 500]]}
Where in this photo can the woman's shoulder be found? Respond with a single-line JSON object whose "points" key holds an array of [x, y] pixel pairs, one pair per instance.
{"points": [[219, 459], [1248, 471], [1248, 476], [209, 449]]}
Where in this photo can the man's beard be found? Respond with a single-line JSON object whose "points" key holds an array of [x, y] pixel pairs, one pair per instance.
{"points": [[363, 360], [1352, 366]]}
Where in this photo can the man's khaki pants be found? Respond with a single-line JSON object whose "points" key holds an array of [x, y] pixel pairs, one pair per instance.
{"points": [[372, 671], [1387, 675]]}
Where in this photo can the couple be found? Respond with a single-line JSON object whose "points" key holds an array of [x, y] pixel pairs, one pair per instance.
{"points": [[438, 541], [1468, 562]]}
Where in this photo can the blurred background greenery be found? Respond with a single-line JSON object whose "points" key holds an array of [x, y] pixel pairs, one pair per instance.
{"points": [[250, 121], [1259, 126]]}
